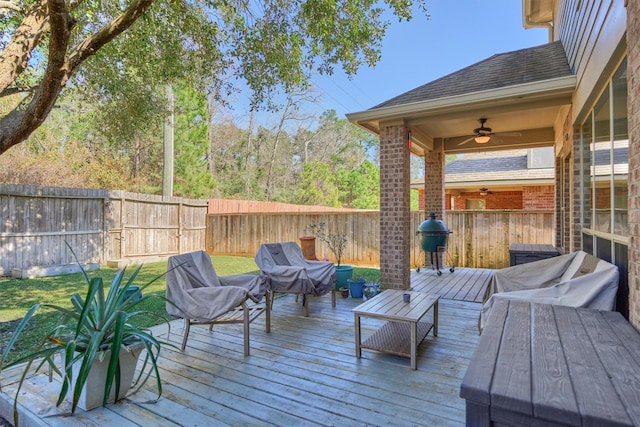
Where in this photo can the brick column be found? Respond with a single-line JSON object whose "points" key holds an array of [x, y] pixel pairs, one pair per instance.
{"points": [[395, 208], [434, 189], [578, 182], [434, 184], [633, 108]]}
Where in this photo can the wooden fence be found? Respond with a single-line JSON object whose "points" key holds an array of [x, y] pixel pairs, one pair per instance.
{"points": [[99, 225], [480, 239], [102, 226], [145, 225]]}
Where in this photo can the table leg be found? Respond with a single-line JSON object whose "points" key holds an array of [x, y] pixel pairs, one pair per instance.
{"points": [[435, 319], [414, 345], [357, 327]]}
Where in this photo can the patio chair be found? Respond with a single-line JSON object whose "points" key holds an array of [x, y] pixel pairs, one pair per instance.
{"points": [[575, 280], [203, 297], [290, 272]]}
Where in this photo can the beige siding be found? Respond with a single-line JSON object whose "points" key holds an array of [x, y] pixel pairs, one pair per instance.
{"points": [[593, 36]]}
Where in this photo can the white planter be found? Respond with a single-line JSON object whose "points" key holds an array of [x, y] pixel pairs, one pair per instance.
{"points": [[93, 391]]}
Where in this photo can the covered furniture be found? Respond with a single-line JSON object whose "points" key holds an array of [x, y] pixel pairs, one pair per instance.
{"points": [[576, 280], [203, 297], [290, 272]]}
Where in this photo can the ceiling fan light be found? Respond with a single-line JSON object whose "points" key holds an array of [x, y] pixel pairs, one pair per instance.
{"points": [[482, 139]]}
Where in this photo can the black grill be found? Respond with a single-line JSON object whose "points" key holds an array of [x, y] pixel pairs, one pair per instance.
{"points": [[433, 239]]}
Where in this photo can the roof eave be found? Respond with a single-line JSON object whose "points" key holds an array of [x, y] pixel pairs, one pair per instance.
{"points": [[552, 88], [537, 14]]}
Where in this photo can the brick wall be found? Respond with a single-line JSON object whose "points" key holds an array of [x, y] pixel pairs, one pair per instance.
{"points": [[538, 197], [633, 106], [395, 215], [534, 197]]}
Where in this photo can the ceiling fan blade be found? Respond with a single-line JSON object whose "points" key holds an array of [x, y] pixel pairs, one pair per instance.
{"points": [[508, 134], [466, 140]]}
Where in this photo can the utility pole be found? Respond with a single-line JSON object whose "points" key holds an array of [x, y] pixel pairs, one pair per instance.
{"points": [[167, 168]]}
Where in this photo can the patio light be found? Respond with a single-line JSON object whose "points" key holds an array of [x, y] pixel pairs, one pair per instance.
{"points": [[482, 139]]}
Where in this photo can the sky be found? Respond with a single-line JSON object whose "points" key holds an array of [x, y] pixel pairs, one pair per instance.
{"points": [[459, 33]]}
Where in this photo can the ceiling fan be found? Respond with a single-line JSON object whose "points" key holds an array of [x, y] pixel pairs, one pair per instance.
{"points": [[484, 191], [483, 134]]}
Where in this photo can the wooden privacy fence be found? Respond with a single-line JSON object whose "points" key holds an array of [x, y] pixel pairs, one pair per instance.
{"points": [[480, 239], [145, 225], [102, 226], [99, 225]]}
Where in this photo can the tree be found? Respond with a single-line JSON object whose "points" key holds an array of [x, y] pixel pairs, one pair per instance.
{"points": [[272, 45]]}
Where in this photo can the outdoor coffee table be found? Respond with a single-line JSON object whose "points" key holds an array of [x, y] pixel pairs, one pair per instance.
{"points": [[404, 331]]}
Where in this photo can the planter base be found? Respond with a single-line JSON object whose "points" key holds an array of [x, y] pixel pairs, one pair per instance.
{"points": [[93, 391]]}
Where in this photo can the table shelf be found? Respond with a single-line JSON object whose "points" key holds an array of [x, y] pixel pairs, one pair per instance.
{"points": [[395, 338]]}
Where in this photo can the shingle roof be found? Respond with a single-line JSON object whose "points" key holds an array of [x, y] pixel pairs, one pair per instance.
{"points": [[505, 69], [492, 166]]}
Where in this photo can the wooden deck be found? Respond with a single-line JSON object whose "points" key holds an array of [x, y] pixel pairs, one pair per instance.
{"points": [[303, 373], [463, 284]]}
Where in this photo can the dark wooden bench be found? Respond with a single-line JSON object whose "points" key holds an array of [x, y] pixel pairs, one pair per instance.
{"points": [[544, 365], [522, 253]]}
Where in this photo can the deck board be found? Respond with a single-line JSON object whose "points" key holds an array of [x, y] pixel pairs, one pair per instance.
{"points": [[463, 284], [303, 373]]}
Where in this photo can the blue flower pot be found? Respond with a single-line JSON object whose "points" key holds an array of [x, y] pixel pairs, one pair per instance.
{"points": [[356, 287], [343, 273]]}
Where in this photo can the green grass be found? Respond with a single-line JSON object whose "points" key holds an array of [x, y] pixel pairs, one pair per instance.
{"points": [[18, 296]]}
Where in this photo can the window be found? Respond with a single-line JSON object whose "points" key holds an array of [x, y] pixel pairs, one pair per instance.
{"points": [[605, 155], [478, 204]]}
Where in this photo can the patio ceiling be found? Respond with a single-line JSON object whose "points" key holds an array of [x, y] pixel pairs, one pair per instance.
{"points": [[519, 91]]}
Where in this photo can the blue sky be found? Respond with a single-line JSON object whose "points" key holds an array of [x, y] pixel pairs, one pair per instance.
{"points": [[459, 33]]}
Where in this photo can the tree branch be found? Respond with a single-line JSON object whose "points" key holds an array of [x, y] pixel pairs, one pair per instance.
{"points": [[16, 90], [10, 5], [16, 126], [90, 45], [19, 124], [15, 57]]}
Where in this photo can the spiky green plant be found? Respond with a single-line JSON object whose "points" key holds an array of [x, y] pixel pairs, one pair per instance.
{"points": [[93, 326]]}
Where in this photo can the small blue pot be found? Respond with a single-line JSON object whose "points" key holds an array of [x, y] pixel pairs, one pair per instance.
{"points": [[356, 287]]}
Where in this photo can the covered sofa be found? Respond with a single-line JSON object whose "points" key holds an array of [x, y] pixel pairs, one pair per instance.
{"points": [[290, 272], [576, 279]]}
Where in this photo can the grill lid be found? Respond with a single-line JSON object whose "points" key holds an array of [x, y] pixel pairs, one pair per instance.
{"points": [[433, 226]]}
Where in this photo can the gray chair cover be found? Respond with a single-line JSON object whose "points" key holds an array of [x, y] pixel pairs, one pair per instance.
{"points": [[290, 272], [202, 295], [576, 280]]}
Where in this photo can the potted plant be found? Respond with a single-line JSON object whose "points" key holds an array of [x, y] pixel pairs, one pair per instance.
{"points": [[371, 289], [336, 244], [95, 334]]}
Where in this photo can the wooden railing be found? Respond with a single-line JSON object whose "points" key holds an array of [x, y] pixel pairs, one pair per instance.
{"points": [[480, 239]]}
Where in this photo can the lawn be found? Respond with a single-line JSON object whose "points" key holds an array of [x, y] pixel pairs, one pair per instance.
{"points": [[18, 296]]}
